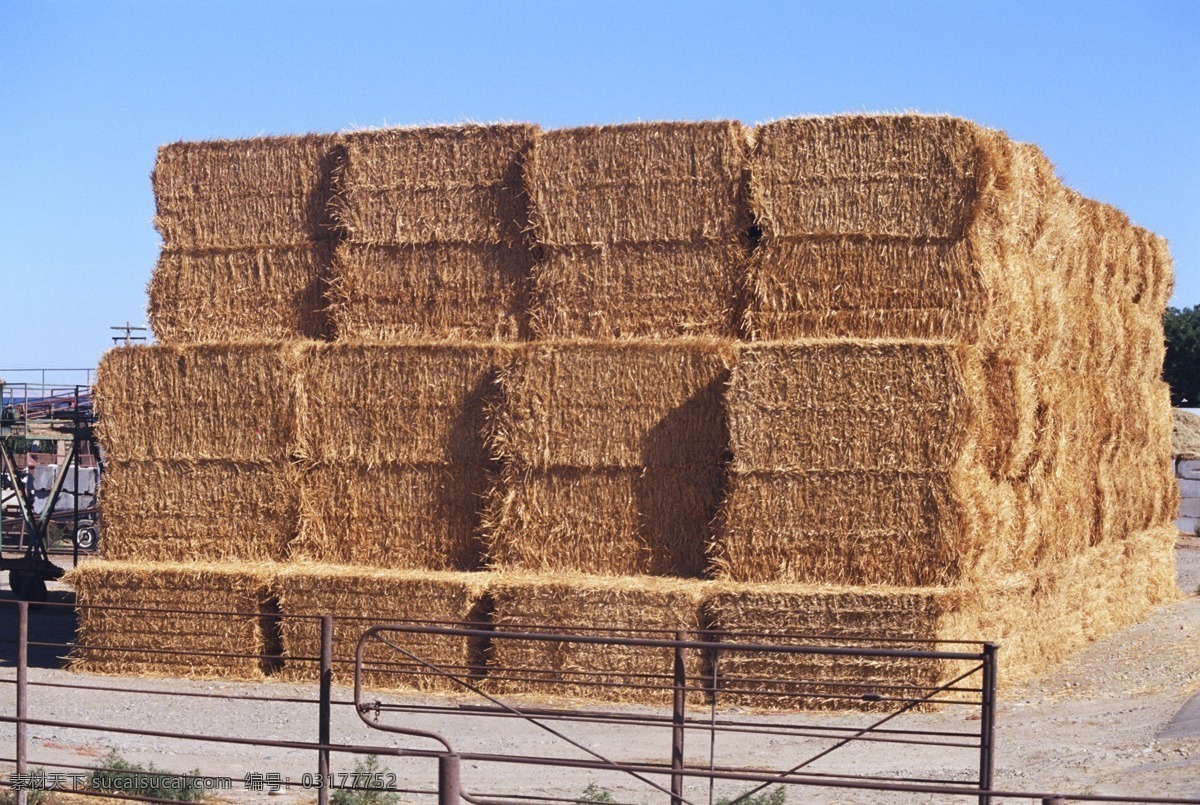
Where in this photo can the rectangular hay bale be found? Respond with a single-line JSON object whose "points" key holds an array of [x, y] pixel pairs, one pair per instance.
{"points": [[201, 401], [650, 608], [392, 516], [613, 522], [614, 404], [467, 291], [203, 511], [359, 598], [413, 403], [637, 290], [438, 184], [234, 194], [638, 183], [223, 608], [261, 294]]}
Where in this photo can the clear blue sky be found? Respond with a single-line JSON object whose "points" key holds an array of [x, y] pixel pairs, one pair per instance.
{"points": [[88, 90]]}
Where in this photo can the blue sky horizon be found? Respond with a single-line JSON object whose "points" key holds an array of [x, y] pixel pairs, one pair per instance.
{"points": [[89, 91]]}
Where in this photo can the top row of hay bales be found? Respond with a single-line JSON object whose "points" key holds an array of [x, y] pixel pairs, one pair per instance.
{"points": [[861, 226]]}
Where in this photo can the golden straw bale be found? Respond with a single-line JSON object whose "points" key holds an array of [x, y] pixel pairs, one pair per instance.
{"points": [[240, 294], [646, 608], [264, 191], [839, 527], [471, 291], [419, 402], [625, 404], [201, 401], [796, 615], [223, 608], [845, 405], [359, 598], [440, 184], [617, 522], [637, 290], [204, 511], [638, 183], [909, 226], [857, 286], [905, 176], [392, 516]]}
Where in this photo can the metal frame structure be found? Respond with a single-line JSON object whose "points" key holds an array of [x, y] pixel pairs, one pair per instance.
{"points": [[67, 415], [449, 785]]}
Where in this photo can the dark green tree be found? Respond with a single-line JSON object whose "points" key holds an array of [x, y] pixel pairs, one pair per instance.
{"points": [[1181, 369]]}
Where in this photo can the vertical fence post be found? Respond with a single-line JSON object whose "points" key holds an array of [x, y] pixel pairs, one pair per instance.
{"points": [[324, 708], [678, 713], [449, 786], [987, 722], [22, 690]]}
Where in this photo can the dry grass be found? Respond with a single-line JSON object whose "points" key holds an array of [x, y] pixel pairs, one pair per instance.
{"points": [[424, 516], [615, 522], [613, 404], [469, 291], [628, 607], [409, 403], [439, 184]]}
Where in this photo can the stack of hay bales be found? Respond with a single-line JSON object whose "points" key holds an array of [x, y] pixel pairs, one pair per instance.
{"points": [[954, 378], [871, 377], [609, 426]]}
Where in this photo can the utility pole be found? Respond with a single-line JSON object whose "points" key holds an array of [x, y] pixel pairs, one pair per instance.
{"points": [[128, 330]]}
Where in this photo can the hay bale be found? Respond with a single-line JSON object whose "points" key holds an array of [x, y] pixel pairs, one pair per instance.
{"points": [[439, 184], [201, 511], [643, 230], [581, 605], [605, 521], [414, 403], [224, 607], [240, 295], [846, 404], [851, 527], [237, 194], [197, 402], [638, 183], [797, 615], [637, 290], [628, 404], [359, 598], [424, 516], [1185, 435], [470, 291]]}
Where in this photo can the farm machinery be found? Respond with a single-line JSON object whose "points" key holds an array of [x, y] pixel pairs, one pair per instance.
{"points": [[40, 501]]}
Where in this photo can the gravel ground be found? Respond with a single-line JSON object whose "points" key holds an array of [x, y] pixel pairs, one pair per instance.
{"points": [[1122, 716]]}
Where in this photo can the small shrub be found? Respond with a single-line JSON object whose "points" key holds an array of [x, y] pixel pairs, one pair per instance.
{"points": [[367, 774], [119, 776], [594, 793], [776, 796], [36, 794]]}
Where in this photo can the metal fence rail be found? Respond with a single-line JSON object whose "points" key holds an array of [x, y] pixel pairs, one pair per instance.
{"points": [[693, 689]]}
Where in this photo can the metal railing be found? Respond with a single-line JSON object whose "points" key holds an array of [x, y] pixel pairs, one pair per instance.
{"points": [[700, 674]]}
